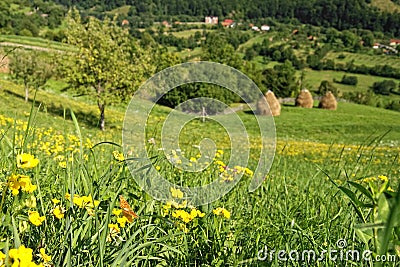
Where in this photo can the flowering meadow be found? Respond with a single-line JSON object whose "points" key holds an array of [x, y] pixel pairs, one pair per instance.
{"points": [[70, 200]]}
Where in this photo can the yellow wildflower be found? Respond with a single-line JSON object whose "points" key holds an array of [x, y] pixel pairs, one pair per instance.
{"points": [[62, 164], [176, 193], [248, 171], [22, 257], [118, 156], [31, 202], [113, 228], [26, 184], [122, 221], [55, 201], [13, 184], [116, 212], [58, 212], [78, 201], [26, 161], [223, 212], [35, 218], [2, 259], [23, 182], [46, 258], [383, 178]]}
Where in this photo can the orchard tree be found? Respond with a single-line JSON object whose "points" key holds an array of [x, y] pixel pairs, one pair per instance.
{"points": [[217, 49], [282, 80], [29, 69], [107, 65]]}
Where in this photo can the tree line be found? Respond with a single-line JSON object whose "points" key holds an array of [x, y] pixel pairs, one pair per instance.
{"points": [[339, 14]]}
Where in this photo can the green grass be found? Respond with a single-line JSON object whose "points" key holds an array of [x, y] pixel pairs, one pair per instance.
{"points": [[386, 5], [364, 59], [258, 38], [189, 54], [313, 79], [186, 33], [295, 208], [123, 10], [34, 41]]}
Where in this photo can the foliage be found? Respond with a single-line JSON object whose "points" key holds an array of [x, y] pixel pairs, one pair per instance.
{"points": [[76, 217], [362, 97], [327, 86], [108, 66], [216, 48], [350, 80], [198, 93], [30, 69], [384, 87], [282, 80], [376, 205]]}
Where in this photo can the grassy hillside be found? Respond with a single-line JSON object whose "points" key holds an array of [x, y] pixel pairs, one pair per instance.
{"points": [[350, 123]]}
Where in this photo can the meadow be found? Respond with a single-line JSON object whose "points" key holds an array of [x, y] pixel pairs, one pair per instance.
{"points": [[333, 179]]}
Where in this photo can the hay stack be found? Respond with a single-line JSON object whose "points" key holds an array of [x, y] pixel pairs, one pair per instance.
{"points": [[304, 99], [4, 61], [328, 101], [273, 103]]}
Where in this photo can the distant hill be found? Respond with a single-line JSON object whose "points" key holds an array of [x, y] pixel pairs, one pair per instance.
{"points": [[32, 16], [344, 14]]}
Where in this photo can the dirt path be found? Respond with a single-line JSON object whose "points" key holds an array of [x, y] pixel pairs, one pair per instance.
{"points": [[32, 47]]}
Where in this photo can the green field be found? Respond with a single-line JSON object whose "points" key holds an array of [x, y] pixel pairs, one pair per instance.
{"points": [[333, 178], [314, 78], [296, 207], [364, 59], [386, 5], [34, 41], [123, 10]]}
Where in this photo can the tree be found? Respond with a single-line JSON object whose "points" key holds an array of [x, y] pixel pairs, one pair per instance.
{"points": [[217, 49], [384, 87], [29, 69], [107, 64], [326, 86], [281, 80]]}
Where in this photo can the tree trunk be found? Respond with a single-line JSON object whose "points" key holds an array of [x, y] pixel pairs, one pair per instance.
{"points": [[102, 117], [26, 93]]}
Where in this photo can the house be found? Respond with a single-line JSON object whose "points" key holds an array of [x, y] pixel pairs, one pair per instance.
{"points": [[255, 28], [165, 23], [394, 42], [228, 23], [265, 28], [375, 46], [211, 20], [125, 22]]}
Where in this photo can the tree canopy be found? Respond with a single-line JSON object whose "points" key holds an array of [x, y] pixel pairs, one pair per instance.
{"points": [[107, 65]]}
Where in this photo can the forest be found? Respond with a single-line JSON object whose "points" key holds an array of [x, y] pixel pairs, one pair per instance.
{"points": [[339, 14]]}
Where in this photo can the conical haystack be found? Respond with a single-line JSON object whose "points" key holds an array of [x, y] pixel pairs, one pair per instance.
{"points": [[304, 99], [4, 61], [274, 108], [328, 101]]}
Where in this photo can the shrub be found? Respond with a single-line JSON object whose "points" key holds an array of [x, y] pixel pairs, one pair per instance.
{"points": [[350, 80], [384, 87], [326, 86]]}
